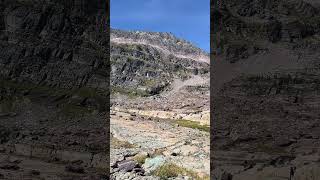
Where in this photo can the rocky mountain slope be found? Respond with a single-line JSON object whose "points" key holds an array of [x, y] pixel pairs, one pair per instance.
{"points": [[160, 107], [265, 98], [53, 89], [146, 63]]}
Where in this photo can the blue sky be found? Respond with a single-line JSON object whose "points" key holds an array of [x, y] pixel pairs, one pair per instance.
{"points": [[187, 19]]}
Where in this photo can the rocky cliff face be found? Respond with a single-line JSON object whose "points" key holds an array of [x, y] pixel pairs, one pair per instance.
{"points": [[54, 43], [265, 89], [54, 87], [146, 63]]}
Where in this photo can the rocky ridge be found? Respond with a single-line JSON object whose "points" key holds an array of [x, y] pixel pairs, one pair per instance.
{"points": [[165, 42]]}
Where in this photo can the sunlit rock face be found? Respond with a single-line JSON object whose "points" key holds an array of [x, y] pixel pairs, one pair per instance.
{"points": [[165, 42], [149, 61]]}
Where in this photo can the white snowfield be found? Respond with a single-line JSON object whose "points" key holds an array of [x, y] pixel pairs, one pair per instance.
{"points": [[197, 57]]}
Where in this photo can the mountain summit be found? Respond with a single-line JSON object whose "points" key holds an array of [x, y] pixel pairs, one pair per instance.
{"points": [[146, 63], [163, 41]]}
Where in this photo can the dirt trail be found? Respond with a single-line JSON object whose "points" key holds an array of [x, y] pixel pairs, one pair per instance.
{"points": [[178, 84]]}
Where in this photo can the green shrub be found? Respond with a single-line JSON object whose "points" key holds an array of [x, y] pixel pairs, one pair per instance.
{"points": [[140, 159], [193, 125], [170, 170], [118, 144]]}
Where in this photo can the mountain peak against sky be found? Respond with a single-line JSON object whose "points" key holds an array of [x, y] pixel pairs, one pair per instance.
{"points": [[184, 18], [164, 41]]}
